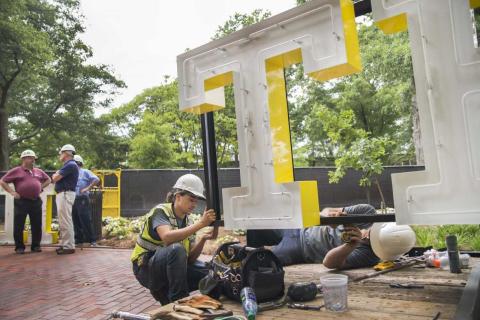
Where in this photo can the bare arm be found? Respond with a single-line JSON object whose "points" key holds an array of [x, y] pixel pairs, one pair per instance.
{"points": [[170, 236], [198, 248], [336, 258], [7, 188], [90, 186], [332, 212], [46, 183]]}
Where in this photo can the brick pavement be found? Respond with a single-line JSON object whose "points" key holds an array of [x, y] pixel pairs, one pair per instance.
{"points": [[89, 284]]}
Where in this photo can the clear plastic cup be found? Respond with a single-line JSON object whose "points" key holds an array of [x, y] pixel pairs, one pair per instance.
{"points": [[335, 293]]}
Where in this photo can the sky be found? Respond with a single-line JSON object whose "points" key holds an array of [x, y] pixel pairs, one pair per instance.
{"points": [[140, 39]]}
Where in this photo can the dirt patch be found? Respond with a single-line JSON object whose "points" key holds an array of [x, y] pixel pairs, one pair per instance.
{"points": [[121, 244]]}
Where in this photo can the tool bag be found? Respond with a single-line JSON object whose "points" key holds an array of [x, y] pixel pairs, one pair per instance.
{"points": [[234, 267]]}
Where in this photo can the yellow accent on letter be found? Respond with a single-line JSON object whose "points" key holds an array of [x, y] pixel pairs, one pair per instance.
{"points": [[394, 24]]}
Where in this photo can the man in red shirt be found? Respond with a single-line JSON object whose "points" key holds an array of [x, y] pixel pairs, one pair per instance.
{"points": [[29, 182]]}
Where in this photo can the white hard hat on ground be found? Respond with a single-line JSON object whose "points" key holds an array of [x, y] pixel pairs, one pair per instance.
{"points": [[191, 183], [390, 241], [28, 153], [77, 158], [68, 147]]}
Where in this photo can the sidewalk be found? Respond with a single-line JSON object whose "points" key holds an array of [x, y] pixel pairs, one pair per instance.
{"points": [[89, 284]]}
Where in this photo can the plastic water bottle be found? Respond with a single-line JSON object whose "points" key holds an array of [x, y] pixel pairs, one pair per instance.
{"points": [[249, 303]]}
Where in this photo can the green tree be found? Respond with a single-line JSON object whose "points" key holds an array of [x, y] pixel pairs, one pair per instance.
{"points": [[154, 114], [355, 147], [380, 98], [161, 136], [47, 88], [151, 147], [239, 21]]}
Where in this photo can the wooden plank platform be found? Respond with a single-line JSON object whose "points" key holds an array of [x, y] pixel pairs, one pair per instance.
{"points": [[374, 299]]}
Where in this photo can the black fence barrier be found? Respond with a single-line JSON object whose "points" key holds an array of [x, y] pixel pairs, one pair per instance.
{"points": [[96, 204], [143, 189]]}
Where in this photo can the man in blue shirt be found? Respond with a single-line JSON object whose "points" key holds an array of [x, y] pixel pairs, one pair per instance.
{"points": [[81, 212], [65, 181]]}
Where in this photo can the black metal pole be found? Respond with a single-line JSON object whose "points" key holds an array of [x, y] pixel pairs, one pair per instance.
{"points": [[210, 163]]}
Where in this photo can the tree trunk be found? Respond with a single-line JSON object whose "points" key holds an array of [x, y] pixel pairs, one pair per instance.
{"points": [[237, 160], [417, 133], [367, 193], [383, 205], [4, 143]]}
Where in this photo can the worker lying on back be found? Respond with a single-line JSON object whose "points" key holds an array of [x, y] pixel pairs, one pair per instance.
{"points": [[165, 255], [345, 247]]}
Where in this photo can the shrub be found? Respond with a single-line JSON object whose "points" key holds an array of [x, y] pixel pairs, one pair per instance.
{"points": [[225, 239], [118, 228], [468, 236]]}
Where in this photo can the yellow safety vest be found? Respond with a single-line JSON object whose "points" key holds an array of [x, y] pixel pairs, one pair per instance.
{"points": [[146, 243]]}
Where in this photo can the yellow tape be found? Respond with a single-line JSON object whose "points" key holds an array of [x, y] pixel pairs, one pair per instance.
{"points": [[221, 80], [393, 24], [474, 4], [279, 120], [310, 203], [204, 108]]}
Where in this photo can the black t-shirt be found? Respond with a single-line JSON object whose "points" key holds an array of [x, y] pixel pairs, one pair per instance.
{"points": [[160, 218]]}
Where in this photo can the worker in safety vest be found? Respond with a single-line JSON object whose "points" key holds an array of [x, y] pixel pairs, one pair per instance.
{"points": [[165, 255]]}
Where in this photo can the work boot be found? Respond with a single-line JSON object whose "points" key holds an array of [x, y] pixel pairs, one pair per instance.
{"points": [[160, 297], [65, 251], [36, 249], [19, 250]]}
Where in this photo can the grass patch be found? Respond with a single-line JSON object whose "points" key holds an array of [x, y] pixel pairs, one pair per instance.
{"points": [[468, 236]]}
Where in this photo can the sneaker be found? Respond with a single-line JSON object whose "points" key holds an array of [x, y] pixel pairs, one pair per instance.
{"points": [[65, 251], [19, 250], [37, 249], [93, 244]]}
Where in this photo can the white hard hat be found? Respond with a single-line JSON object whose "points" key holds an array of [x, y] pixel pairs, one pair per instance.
{"points": [[28, 153], [68, 147], [191, 183], [390, 241], [77, 158]]}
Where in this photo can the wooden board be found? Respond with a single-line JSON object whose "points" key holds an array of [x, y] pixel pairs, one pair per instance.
{"points": [[374, 299]]}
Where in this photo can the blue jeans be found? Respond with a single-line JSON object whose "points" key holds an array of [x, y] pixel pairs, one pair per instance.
{"points": [[289, 250], [168, 275], [82, 220]]}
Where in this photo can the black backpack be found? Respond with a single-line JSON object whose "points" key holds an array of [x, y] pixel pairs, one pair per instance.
{"points": [[234, 267]]}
